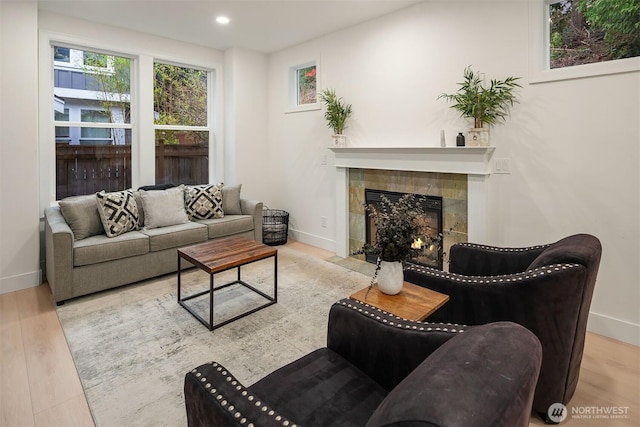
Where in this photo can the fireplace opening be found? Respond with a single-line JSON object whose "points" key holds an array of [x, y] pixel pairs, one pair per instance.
{"points": [[430, 218]]}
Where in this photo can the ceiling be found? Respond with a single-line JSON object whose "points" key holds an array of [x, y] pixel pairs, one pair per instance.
{"points": [[261, 25]]}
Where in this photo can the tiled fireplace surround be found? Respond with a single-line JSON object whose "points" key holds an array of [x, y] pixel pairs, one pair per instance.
{"points": [[457, 174]]}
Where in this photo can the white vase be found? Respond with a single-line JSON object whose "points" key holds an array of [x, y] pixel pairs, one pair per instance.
{"points": [[478, 137], [339, 140], [390, 277]]}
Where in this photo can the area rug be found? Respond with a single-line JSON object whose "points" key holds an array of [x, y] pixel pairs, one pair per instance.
{"points": [[133, 345]]}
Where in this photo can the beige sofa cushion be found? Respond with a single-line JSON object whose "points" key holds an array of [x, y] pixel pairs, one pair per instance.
{"points": [[101, 248], [231, 199], [229, 224], [163, 207], [175, 236], [81, 213]]}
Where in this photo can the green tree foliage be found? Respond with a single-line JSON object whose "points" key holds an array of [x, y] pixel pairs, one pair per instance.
{"points": [[588, 31], [620, 21], [337, 111], [180, 95]]}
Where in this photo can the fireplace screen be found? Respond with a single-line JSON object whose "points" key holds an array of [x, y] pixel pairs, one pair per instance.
{"points": [[430, 218]]}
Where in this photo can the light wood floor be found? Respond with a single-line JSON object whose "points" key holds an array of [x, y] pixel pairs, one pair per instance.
{"points": [[39, 385]]}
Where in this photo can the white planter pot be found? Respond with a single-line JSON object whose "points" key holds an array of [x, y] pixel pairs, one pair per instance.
{"points": [[390, 277], [338, 140], [478, 137]]}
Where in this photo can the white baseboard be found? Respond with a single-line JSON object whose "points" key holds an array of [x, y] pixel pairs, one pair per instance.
{"points": [[617, 329], [313, 240], [20, 281]]}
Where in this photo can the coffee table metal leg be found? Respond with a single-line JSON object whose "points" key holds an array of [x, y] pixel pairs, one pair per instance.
{"points": [[179, 271], [211, 302]]}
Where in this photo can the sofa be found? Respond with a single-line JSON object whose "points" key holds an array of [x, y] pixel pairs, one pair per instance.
{"points": [[105, 240], [381, 370]]}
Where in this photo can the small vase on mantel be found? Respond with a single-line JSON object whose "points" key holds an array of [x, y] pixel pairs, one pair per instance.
{"points": [[390, 277], [478, 137]]}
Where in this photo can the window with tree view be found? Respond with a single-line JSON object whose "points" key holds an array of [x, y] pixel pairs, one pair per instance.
{"points": [[92, 118], [181, 125], [590, 31], [306, 84]]}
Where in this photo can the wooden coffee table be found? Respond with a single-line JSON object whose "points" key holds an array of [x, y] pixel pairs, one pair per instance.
{"points": [[413, 302], [216, 256]]}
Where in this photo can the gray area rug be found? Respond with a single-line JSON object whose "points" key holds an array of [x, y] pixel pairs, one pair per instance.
{"points": [[132, 346]]}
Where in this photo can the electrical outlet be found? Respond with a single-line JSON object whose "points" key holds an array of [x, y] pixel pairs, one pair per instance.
{"points": [[502, 165], [323, 159], [323, 221]]}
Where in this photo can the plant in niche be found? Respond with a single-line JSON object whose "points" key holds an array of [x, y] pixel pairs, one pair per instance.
{"points": [[397, 229], [483, 104], [337, 111]]}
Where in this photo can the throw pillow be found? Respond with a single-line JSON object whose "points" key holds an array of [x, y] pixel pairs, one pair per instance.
{"points": [[82, 216], [231, 200], [163, 207], [204, 201], [118, 212]]}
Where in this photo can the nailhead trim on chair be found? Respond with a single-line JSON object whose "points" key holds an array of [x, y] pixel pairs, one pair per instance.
{"points": [[496, 248], [507, 278], [399, 322], [244, 393]]}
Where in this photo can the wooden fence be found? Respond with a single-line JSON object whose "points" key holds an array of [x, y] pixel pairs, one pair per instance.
{"points": [[86, 169]]}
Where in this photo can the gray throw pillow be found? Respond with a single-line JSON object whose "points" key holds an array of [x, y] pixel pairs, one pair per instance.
{"points": [[163, 207], [118, 212], [82, 216], [231, 200]]}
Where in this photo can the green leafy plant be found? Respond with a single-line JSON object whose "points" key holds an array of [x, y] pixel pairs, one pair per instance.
{"points": [[483, 104], [337, 111]]}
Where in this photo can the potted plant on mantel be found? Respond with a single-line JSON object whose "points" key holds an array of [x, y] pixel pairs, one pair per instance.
{"points": [[397, 230], [336, 115], [485, 105]]}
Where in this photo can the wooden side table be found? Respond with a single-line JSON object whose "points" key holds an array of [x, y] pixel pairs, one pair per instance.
{"points": [[413, 302]]}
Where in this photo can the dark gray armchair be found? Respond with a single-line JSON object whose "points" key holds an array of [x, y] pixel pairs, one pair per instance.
{"points": [[545, 288], [381, 370]]}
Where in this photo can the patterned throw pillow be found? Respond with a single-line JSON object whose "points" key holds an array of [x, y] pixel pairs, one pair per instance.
{"points": [[118, 212], [204, 201]]}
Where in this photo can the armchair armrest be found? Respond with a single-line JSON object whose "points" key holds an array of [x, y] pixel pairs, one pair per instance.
{"points": [[253, 207], [214, 397], [58, 253], [385, 347], [470, 259]]}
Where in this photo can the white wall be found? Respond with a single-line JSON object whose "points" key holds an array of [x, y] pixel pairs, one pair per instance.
{"points": [[573, 145], [19, 234], [246, 150]]}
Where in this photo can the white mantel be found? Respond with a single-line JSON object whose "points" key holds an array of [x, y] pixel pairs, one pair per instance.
{"points": [[475, 162]]}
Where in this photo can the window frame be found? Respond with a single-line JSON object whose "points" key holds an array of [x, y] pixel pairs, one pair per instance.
{"points": [[141, 123], [293, 90], [539, 64]]}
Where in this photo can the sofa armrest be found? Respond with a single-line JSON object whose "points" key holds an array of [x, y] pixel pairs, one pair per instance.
{"points": [[254, 208], [470, 259], [385, 347], [491, 369], [58, 253], [214, 397]]}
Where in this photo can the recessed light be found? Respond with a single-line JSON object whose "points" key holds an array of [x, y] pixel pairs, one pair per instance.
{"points": [[222, 20]]}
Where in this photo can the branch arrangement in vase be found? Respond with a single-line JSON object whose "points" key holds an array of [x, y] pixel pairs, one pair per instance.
{"points": [[397, 230]]}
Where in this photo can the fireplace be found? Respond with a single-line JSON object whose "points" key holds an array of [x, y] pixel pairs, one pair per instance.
{"points": [[430, 218]]}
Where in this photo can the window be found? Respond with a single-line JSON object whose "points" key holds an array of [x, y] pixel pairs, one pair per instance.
{"points": [[306, 83], [565, 39], [92, 108], [589, 31], [181, 124], [303, 85]]}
